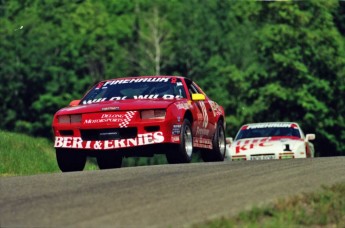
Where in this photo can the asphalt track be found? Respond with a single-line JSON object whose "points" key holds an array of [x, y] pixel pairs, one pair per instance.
{"points": [[158, 196]]}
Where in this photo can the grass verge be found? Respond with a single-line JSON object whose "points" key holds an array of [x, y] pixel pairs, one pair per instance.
{"points": [[325, 208], [25, 155]]}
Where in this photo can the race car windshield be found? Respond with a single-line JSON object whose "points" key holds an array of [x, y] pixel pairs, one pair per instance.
{"points": [[136, 88], [268, 132]]}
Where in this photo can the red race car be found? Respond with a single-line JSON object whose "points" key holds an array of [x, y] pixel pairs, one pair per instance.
{"points": [[139, 116]]}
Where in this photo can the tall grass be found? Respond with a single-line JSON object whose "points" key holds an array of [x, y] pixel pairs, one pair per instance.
{"points": [[25, 155], [324, 208]]}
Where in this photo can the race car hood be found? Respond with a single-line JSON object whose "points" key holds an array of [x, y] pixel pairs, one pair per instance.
{"points": [[123, 105], [266, 145]]}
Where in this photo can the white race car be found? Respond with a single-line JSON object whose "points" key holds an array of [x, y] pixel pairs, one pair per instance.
{"points": [[275, 140]]}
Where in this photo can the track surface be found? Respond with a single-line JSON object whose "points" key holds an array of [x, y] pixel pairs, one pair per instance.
{"points": [[158, 196]]}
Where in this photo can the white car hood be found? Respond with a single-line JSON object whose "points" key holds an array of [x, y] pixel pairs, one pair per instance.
{"points": [[266, 145]]}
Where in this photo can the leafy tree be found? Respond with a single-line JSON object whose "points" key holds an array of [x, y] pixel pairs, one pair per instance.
{"points": [[150, 49], [303, 55]]}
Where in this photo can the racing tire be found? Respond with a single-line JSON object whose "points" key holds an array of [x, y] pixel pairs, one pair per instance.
{"points": [[218, 145], [70, 160], [182, 153], [109, 160]]}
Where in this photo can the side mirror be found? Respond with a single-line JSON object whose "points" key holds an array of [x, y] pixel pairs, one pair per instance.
{"points": [[74, 103], [310, 137], [198, 97]]}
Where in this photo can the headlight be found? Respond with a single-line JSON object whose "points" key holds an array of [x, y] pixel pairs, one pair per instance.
{"points": [[64, 119], [69, 119], [75, 118], [153, 114]]}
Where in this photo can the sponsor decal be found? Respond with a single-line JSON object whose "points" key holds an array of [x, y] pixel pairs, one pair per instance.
{"points": [[175, 138], [238, 157], [94, 101], [215, 108], [204, 114], [100, 85], [202, 131], [286, 155], [199, 116], [202, 143], [269, 125], [137, 80], [110, 108], [118, 98], [171, 97], [105, 118], [183, 105], [250, 144], [137, 97], [121, 119], [78, 143], [176, 129], [262, 157], [127, 119]]}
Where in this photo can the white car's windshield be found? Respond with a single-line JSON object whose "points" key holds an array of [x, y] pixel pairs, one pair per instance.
{"points": [[136, 88], [267, 132]]}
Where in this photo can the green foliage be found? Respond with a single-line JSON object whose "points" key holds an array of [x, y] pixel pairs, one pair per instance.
{"points": [[304, 58], [263, 61], [24, 155], [324, 208]]}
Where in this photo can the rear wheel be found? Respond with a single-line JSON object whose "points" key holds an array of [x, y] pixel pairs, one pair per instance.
{"points": [[109, 160], [218, 144], [70, 160], [182, 153]]}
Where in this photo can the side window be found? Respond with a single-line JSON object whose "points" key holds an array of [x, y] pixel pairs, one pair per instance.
{"points": [[191, 88]]}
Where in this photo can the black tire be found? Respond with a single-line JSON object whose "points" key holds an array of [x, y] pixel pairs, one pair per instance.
{"points": [[218, 144], [109, 160], [182, 153], [70, 160]]}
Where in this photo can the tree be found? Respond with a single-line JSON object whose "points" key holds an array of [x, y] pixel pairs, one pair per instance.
{"points": [[303, 55], [151, 47]]}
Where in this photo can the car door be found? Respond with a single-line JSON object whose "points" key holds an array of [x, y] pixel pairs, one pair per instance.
{"points": [[203, 127]]}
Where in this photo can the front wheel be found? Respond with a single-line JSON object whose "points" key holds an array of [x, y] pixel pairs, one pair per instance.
{"points": [[70, 160], [218, 144], [182, 153]]}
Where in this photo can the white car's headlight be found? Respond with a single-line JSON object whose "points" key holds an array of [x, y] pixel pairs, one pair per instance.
{"points": [[69, 119], [153, 114]]}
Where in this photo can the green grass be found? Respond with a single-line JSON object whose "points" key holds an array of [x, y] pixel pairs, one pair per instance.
{"points": [[24, 155], [325, 208]]}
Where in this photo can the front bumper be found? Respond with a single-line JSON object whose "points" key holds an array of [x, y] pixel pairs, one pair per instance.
{"points": [[264, 156], [112, 135]]}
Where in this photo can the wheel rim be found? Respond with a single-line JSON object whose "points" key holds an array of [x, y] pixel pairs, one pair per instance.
{"points": [[188, 141], [221, 141]]}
